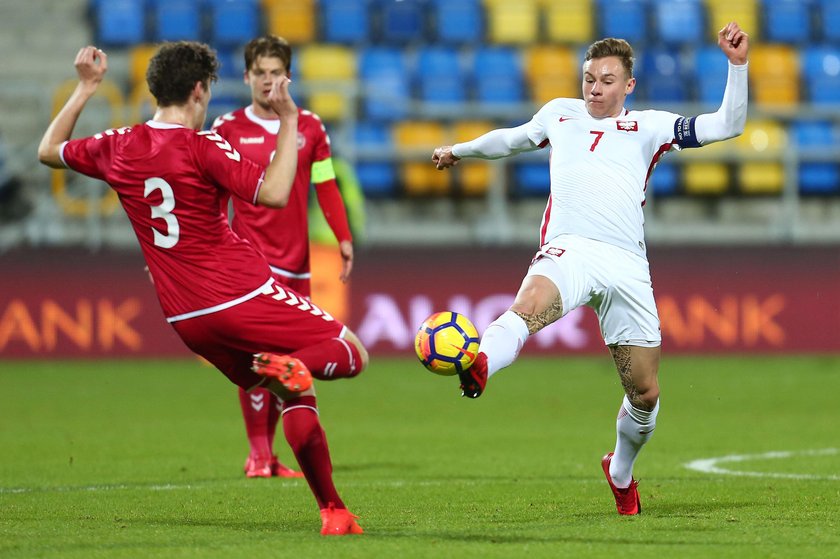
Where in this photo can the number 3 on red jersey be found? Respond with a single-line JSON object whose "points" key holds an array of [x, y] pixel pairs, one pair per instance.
{"points": [[164, 211]]}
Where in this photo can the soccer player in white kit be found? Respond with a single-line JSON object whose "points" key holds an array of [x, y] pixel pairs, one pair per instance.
{"points": [[592, 250]]}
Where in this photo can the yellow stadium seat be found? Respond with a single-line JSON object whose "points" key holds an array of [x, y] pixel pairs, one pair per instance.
{"points": [[568, 21], [766, 139], [328, 64], [294, 20], [552, 71], [705, 179], [745, 12], [774, 73], [474, 178], [138, 61], [512, 23], [419, 176]]}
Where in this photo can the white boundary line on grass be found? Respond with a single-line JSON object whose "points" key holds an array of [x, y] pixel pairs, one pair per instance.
{"points": [[712, 465]]}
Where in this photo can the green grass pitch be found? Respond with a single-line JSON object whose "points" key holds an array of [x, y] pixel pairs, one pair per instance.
{"points": [[143, 459]]}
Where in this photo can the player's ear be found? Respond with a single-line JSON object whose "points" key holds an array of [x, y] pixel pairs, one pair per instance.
{"points": [[245, 76], [631, 85]]}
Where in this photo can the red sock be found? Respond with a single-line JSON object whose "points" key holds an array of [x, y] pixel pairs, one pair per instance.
{"points": [[273, 418], [256, 406], [309, 443], [335, 358]]}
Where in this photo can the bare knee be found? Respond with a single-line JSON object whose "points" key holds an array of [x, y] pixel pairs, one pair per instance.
{"points": [[364, 357]]}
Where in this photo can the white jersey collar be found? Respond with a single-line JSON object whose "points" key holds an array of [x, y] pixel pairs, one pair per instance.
{"points": [[271, 126]]}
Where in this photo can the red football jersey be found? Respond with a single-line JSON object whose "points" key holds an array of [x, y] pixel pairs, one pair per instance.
{"points": [[281, 234], [170, 180]]}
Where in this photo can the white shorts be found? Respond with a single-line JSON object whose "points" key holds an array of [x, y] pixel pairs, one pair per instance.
{"points": [[613, 281]]}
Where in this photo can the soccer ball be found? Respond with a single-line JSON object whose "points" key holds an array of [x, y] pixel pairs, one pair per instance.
{"points": [[446, 343]]}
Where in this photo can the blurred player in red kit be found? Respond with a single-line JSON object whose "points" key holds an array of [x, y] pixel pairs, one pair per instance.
{"points": [[215, 289], [281, 234]]}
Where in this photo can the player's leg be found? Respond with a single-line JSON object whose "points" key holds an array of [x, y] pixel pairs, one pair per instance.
{"points": [[340, 357], [256, 412]]}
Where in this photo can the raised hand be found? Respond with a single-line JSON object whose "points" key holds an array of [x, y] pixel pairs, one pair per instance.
{"points": [[91, 65], [734, 43], [443, 158], [281, 100]]}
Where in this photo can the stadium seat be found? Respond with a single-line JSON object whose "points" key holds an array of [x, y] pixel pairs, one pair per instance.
{"points": [[679, 22], [625, 19], [138, 61], [386, 92], [710, 71], [231, 63], [416, 140], [457, 21], [705, 179], [120, 23], [661, 77], [828, 12], [774, 70], [498, 75], [531, 179], [821, 74], [766, 139], [817, 177], [345, 21], [474, 179], [552, 71], [721, 12], [333, 65], [568, 21], [787, 21], [665, 180], [377, 177], [401, 22], [440, 76], [294, 20], [234, 22], [176, 20], [512, 23]]}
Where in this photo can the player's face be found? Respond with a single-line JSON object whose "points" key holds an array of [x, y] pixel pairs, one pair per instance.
{"points": [[605, 86], [261, 76]]}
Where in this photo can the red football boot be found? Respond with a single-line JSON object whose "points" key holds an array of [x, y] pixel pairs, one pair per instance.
{"points": [[291, 372], [256, 466], [474, 379], [626, 500], [278, 469], [338, 522]]}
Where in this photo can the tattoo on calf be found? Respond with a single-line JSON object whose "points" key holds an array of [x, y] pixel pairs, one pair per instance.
{"points": [[537, 322], [624, 366]]}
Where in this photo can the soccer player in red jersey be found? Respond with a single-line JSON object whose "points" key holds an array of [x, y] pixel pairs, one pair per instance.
{"points": [[215, 288], [282, 235]]}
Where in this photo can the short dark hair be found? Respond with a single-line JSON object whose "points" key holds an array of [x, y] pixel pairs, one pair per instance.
{"points": [[613, 47], [270, 46], [175, 68]]}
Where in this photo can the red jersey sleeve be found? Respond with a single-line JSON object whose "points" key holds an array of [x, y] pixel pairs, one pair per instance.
{"points": [[225, 167], [91, 156]]}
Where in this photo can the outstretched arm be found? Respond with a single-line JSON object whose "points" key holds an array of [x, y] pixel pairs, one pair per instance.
{"points": [[91, 65], [492, 145], [730, 119]]}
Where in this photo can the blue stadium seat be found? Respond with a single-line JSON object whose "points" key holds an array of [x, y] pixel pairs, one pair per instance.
{"points": [[821, 70], [384, 75], [665, 180], [120, 22], [679, 21], [378, 178], [661, 77], [624, 19], [710, 70], [829, 15], [231, 63], [402, 21], [345, 21], [440, 75], [234, 22], [498, 75], [532, 179], [787, 21], [817, 177], [176, 20], [458, 21]]}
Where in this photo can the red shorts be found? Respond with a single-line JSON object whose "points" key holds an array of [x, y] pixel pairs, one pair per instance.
{"points": [[301, 285], [281, 321]]}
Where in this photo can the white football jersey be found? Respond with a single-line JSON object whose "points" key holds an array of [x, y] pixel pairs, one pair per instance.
{"points": [[599, 170]]}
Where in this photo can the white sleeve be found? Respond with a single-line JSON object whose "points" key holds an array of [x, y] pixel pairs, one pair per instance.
{"points": [[496, 144], [730, 118]]}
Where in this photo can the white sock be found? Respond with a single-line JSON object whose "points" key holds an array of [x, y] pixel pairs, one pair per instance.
{"points": [[502, 341], [633, 429]]}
